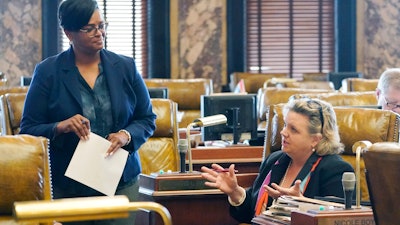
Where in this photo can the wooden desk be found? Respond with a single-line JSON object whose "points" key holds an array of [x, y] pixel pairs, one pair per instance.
{"points": [[189, 201], [187, 198], [247, 159]]}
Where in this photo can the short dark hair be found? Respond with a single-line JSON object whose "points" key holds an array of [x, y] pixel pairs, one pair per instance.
{"points": [[74, 14]]}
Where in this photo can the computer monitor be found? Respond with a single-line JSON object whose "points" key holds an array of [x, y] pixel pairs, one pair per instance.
{"points": [[158, 92], [240, 111], [26, 80]]}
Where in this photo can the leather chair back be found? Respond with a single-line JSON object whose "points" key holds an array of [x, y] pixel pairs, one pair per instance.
{"points": [[5, 90], [317, 76], [311, 85], [253, 81], [355, 124], [11, 108], [359, 98], [359, 84], [186, 93], [382, 162], [24, 174], [272, 95], [160, 151]]}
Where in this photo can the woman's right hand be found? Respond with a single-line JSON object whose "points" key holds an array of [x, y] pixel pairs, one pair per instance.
{"points": [[77, 124], [224, 181]]}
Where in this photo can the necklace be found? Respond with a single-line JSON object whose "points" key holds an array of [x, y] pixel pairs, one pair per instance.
{"points": [[286, 172]]}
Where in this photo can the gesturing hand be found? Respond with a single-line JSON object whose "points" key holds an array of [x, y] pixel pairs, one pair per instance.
{"points": [[275, 191], [225, 181]]}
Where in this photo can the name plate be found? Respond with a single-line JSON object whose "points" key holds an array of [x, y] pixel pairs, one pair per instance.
{"points": [[334, 217]]}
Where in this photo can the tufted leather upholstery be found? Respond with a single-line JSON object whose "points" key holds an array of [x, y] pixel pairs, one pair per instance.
{"points": [[355, 124], [359, 84], [382, 162], [252, 81], [160, 151], [11, 107], [185, 92], [24, 174]]}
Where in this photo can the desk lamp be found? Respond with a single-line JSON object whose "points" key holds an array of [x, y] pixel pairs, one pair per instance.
{"points": [[83, 208], [202, 122], [357, 148]]}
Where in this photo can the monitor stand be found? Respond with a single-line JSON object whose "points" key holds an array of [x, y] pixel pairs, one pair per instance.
{"points": [[234, 115]]}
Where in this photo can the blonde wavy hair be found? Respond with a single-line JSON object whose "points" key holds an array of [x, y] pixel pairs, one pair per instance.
{"points": [[322, 119]]}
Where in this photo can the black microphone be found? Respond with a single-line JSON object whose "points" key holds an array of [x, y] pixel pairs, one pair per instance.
{"points": [[348, 182], [183, 148]]}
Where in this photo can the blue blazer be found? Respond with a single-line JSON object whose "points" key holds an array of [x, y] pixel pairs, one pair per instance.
{"points": [[54, 96], [326, 180]]}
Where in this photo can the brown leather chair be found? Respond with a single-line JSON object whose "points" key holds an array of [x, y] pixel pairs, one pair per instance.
{"points": [[272, 95], [11, 107], [24, 174], [355, 124], [293, 83], [312, 85], [252, 81], [26, 191], [160, 151], [186, 93], [359, 84], [382, 162], [5, 90], [359, 98], [317, 76]]}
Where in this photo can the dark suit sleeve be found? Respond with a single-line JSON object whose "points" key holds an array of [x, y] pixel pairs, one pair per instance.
{"points": [[36, 119]]}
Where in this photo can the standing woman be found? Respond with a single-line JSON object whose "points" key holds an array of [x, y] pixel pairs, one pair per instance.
{"points": [[88, 89], [308, 164]]}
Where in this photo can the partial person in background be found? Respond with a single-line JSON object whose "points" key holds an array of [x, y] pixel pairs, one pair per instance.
{"points": [[388, 90], [88, 89], [308, 164]]}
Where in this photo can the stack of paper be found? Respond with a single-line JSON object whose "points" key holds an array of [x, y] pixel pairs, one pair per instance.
{"points": [[282, 207]]}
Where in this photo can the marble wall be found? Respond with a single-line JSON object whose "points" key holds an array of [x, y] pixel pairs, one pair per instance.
{"points": [[378, 35], [20, 38], [198, 40]]}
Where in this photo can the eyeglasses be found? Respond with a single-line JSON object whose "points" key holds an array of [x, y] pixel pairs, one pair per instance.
{"points": [[321, 114], [92, 29], [391, 106]]}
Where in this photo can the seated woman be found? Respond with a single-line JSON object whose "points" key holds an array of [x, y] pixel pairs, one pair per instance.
{"points": [[308, 164]]}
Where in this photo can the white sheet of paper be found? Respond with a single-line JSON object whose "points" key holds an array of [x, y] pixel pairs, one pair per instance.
{"points": [[90, 167]]}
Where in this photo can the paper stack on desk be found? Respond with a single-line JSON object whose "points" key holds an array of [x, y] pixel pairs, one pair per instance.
{"points": [[282, 207]]}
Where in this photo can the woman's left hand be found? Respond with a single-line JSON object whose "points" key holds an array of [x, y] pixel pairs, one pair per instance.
{"points": [[275, 191], [117, 140]]}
